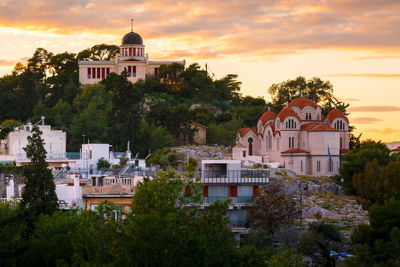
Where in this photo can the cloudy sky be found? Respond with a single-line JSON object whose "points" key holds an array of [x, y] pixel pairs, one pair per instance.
{"points": [[353, 43]]}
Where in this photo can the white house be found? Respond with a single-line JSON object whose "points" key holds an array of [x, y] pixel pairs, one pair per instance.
{"points": [[132, 58], [299, 138]]}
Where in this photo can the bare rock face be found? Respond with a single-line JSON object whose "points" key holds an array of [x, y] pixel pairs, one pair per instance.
{"points": [[204, 152], [319, 213]]}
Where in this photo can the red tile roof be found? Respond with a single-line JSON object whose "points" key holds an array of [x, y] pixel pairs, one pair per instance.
{"points": [[285, 112], [317, 127], [322, 128], [396, 149], [302, 102], [269, 115], [244, 131], [295, 150], [335, 113]]}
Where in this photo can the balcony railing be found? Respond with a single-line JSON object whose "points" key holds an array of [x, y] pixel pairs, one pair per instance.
{"points": [[247, 176], [238, 223], [235, 200]]}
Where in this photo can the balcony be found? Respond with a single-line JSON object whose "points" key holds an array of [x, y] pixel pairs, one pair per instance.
{"points": [[242, 200], [246, 176]]}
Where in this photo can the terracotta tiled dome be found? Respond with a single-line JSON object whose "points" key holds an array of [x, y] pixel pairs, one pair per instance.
{"points": [[285, 112], [302, 102], [269, 115], [335, 113]]}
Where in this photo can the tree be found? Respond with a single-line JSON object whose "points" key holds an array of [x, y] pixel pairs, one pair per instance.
{"points": [[378, 184], [39, 195], [250, 110], [355, 160], [272, 209], [165, 231], [125, 114], [102, 163], [88, 237], [378, 244], [11, 230], [151, 138], [8, 126], [320, 238], [319, 91]]}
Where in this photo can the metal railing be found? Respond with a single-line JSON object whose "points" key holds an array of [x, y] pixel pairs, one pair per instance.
{"points": [[247, 176], [235, 200]]}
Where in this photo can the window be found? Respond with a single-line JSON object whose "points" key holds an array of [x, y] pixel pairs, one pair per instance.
{"points": [[156, 71], [107, 71], [130, 51], [129, 71], [98, 73], [94, 73], [103, 73], [269, 140], [89, 73], [341, 142], [291, 124], [291, 142], [301, 166], [318, 166], [330, 166], [133, 71], [244, 153]]}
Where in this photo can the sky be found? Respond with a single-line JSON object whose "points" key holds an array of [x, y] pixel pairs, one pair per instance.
{"points": [[353, 44]]}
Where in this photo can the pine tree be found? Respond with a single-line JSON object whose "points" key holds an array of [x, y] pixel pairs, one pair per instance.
{"points": [[39, 195]]}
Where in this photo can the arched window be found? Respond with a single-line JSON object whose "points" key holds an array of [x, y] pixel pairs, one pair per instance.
{"points": [[250, 140], [269, 140]]}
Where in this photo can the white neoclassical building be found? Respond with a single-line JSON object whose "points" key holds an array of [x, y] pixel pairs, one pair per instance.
{"points": [[299, 138], [132, 58]]}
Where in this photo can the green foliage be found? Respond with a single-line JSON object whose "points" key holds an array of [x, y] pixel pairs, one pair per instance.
{"points": [[164, 232], [76, 239], [152, 138], [102, 163], [123, 161], [378, 243], [11, 231], [286, 257], [224, 133], [378, 184], [8, 126], [355, 160], [315, 89], [166, 157], [93, 106], [272, 209], [250, 110], [39, 194]]}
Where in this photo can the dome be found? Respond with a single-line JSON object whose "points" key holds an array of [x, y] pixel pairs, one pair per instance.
{"points": [[302, 102], [269, 115], [286, 112], [132, 38], [335, 113]]}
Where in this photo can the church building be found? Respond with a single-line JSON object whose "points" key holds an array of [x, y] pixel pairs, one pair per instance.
{"points": [[299, 138], [132, 58]]}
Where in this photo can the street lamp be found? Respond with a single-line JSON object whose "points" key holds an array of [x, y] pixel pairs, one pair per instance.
{"points": [[302, 187]]}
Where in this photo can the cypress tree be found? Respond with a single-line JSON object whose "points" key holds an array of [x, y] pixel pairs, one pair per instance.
{"points": [[39, 195]]}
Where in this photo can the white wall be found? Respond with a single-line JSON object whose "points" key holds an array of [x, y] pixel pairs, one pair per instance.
{"points": [[55, 140]]}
